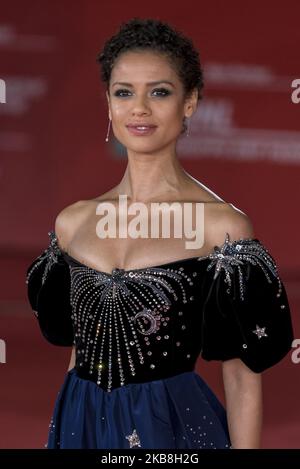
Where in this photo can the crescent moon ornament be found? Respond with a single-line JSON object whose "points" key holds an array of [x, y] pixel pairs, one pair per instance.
{"points": [[154, 322]]}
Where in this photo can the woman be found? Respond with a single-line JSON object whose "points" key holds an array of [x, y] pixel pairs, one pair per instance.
{"points": [[140, 311]]}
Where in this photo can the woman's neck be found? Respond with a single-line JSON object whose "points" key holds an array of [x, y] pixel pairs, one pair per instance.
{"points": [[149, 179]]}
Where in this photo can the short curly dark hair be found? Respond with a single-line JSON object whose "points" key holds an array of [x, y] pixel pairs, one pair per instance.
{"points": [[152, 34]]}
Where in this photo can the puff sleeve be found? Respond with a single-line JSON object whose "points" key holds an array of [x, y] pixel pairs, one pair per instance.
{"points": [[246, 313], [48, 291]]}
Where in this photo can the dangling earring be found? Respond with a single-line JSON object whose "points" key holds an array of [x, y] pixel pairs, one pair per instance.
{"points": [[187, 127], [108, 130]]}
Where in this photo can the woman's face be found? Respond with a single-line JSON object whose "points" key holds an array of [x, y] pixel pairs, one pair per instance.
{"points": [[146, 102]]}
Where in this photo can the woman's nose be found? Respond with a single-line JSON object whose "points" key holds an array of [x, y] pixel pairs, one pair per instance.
{"points": [[140, 106]]}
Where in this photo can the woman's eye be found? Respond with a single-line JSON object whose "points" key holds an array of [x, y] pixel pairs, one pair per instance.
{"points": [[122, 93], [158, 92], [161, 92]]}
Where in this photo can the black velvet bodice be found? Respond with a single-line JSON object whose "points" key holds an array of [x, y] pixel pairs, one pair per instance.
{"points": [[133, 326]]}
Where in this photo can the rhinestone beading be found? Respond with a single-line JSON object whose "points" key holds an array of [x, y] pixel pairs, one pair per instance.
{"points": [[112, 313], [52, 254], [237, 254]]}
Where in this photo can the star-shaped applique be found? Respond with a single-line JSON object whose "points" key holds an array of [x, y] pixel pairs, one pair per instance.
{"points": [[52, 254], [235, 257], [260, 332], [118, 282], [133, 439]]}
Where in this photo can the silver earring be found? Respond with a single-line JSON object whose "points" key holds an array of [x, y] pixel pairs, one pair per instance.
{"points": [[108, 130]]}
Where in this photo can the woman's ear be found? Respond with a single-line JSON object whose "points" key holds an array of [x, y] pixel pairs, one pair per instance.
{"points": [[191, 102]]}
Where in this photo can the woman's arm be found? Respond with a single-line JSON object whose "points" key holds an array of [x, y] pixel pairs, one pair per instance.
{"points": [[243, 393], [72, 361]]}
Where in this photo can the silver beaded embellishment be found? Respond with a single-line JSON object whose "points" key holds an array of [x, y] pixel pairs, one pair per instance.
{"points": [[116, 315], [51, 253], [260, 332], [235, 254], [134, 439]]}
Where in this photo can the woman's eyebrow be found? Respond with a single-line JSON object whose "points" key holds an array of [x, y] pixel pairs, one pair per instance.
{"points": [[151, 83]]}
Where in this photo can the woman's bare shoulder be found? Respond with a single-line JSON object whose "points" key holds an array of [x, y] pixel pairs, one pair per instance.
{"points": [[69, 219], [226, 218], [73, 216], [196, 190]]}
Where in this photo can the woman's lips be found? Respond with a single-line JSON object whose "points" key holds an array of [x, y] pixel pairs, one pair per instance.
{"points": [[141, 130]]}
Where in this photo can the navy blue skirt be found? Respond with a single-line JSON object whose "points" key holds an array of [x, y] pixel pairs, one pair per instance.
{"points": [[180, 412]]}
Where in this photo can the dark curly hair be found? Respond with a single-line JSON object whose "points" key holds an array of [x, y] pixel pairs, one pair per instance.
{"points": [[152, 34]]}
